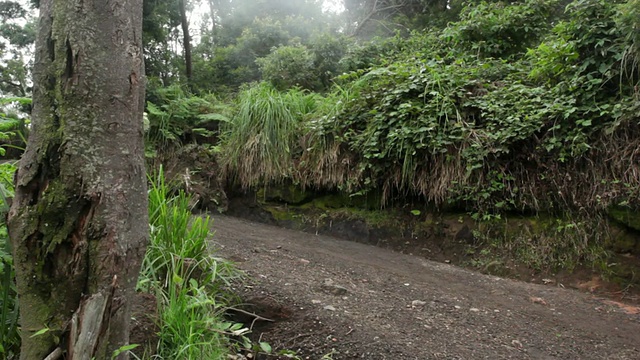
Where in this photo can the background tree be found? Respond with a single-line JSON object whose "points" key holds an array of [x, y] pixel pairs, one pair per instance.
{"points": [[161, 20], [249, 30], [17, 34], [368, 18], [288, 66], [78, 222], [186, 39]]}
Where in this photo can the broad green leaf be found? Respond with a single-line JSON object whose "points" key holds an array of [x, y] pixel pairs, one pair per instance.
{"points": [[265, 347]]}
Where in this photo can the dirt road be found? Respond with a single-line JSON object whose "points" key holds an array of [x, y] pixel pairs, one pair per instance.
{"points": [[346, 300]]}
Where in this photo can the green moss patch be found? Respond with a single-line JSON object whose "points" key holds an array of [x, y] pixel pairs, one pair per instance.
{"points": [[625, 216]]}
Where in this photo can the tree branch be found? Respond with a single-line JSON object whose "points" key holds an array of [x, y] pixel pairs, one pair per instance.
{"points": [[55, 355], [17, 86], [374, 11]]}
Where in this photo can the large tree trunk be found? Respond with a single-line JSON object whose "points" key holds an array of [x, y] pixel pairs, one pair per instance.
{"points": [[186, 42], [78, 223]]}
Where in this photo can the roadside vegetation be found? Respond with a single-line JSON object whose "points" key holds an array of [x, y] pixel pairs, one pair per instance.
{"points": [[12, 133], [482, 116], [523, 109], [188, 282], [490, 109]]}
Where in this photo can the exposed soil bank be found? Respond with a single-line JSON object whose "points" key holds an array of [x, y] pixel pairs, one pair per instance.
{"points": [[530, 248]]}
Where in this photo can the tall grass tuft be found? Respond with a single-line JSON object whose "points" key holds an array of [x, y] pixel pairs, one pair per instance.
{"points": [[627, 20], [187, 280], [260, 142]]}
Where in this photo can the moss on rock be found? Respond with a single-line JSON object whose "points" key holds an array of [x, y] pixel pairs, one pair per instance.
{"points": [[626, 216], [623, 241], [280, 213], [288, 194]]}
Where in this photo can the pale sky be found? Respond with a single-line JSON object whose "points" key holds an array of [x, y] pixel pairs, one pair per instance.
{"points": [[333, 5], [202, 10]]}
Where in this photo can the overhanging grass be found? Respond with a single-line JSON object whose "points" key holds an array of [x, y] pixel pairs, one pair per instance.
{"points": [[260, 142]]}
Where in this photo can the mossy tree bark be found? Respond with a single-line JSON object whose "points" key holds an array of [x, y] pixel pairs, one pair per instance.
{"points": [[78, 223]]}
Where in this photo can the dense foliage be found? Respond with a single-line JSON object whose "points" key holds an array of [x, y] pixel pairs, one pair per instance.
{"points": [[486, 114], [9, 335], [12, 132]]}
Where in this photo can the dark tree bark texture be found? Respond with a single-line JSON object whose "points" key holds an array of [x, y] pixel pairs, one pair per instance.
{"points": [[186, 40], [78, 223]]}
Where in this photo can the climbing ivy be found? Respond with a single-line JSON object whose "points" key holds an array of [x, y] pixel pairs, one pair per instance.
{"points": [[473, 117]]}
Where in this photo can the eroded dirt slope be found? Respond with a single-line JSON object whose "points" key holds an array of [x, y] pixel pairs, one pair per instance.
{"points": [[355, 301]]}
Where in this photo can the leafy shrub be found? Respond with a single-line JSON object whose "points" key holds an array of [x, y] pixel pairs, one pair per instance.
{"points": [[497, 29], [9, 336], [288, 66], [13, 124], [264, 35], [327, 51], [176, 116], [362, 56], [468, 117], [487, 134]]}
